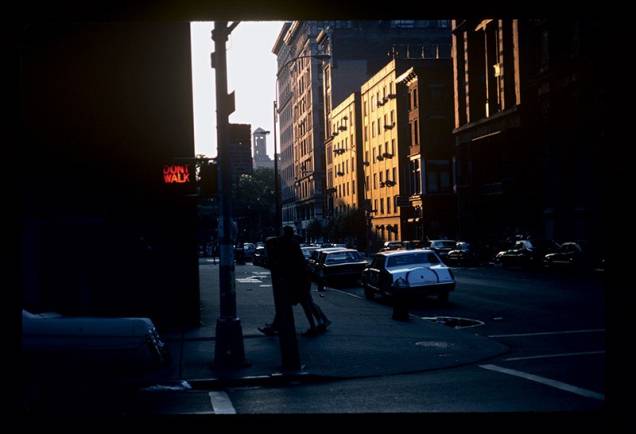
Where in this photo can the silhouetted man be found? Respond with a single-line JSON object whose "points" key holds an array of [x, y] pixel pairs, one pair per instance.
{"points": [[286, 264]]}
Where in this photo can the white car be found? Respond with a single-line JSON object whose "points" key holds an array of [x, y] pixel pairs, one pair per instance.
{"points": [[114, 342], [419, 272]]}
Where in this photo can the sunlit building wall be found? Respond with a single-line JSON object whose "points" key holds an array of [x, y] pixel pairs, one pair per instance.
{"points": [[385, 139], [345, 181]]}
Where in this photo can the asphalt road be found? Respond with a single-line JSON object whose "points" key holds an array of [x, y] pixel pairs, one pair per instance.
{"points": [[553, 323]]}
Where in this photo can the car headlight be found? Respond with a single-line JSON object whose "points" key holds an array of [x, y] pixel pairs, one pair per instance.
{"points": [[401, 282]]}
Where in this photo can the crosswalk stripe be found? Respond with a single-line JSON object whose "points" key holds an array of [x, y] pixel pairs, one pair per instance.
{"points": [[221, 403]]}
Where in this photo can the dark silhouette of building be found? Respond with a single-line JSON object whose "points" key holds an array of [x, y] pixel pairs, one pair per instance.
{"points": [[240, 136], [530, 113], [426, 91], [104, 106], [261, 159]]}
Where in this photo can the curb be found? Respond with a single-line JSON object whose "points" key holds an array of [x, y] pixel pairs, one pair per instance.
{"points": [[274, 379]]}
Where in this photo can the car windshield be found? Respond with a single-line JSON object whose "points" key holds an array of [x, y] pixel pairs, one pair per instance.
{"points": [[341, 257], [412, 259], [443, 244], [307, 251]]}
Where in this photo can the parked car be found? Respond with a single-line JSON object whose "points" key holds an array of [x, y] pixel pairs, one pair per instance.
{"points": [[248, 250], [442, 247], [526, 253], [332, 245], [260, 257], [391, 245], [576, 255], [307, 251], [79, 343], [419, 271], [339, 266], [463, 254], [312, 262]]}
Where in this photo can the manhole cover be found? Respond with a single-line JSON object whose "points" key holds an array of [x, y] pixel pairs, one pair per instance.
{"points": [[455, 322]]}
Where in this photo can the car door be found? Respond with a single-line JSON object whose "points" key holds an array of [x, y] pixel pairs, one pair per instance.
{"points": [[374, 270]]}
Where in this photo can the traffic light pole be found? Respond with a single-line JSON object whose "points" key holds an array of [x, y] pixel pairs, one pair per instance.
{"points": [[229, 350]]}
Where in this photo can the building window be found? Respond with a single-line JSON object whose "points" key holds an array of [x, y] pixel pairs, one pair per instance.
{"points": [[415, 184], [381, 206], [388, 205], [439, 176]]}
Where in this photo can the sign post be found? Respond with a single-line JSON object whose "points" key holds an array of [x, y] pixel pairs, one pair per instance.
{"points": [[229, 351]]}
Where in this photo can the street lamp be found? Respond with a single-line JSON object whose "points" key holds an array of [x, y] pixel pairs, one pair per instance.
{"points": [[278, 222]]}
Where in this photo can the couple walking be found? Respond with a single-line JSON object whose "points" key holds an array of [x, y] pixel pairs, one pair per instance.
{"points": [[292, 280]]}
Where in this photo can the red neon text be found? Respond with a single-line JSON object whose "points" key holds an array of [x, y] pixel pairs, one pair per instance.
{"points": [[176, 174]]}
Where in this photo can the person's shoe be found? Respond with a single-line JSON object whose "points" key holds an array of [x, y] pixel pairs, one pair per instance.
{"points": [[312, 332], [323, 327], [268, 330]]}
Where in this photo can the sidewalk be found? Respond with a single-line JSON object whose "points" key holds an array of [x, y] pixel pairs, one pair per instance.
{"points": [[362, 341]]}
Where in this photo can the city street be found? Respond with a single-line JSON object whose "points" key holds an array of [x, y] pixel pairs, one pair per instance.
{"points": [[553, 325], [528, 344]]}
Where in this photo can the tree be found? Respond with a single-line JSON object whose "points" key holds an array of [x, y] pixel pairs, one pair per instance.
{"points": [[254, 205], [349, 227]]}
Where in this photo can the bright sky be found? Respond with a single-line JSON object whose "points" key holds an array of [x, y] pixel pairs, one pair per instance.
{"points": [[251, 75]]}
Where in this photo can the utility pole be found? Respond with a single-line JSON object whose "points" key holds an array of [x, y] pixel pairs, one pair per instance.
{"points": [[278, 223], [229, 351]]}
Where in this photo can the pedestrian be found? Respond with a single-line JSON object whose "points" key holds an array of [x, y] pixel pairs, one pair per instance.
{"points": [[287, 266], [318, 321]]}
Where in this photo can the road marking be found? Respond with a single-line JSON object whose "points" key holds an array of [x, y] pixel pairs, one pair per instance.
{"points": [[546, 381], [248, 280], [547, 356], [344, 292], [221, 403], [547, 333]]}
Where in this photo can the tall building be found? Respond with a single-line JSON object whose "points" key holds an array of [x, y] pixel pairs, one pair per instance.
{"points": [[345, 180], [530, 114], [495, 162], [100, 234], [357, 49], [260, 157], [427, 90], [240, 150], [385, 144], [301, 76], [283, 111]]}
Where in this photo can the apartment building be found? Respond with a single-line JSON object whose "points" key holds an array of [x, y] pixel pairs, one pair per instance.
{"points": [[343, 149], [357, 50], [385, 143], [303, 151], [426, 88]]}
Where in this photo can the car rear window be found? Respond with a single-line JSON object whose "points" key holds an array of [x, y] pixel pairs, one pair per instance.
{"points": [[412, 259], [443, 244], [340, 257]]}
